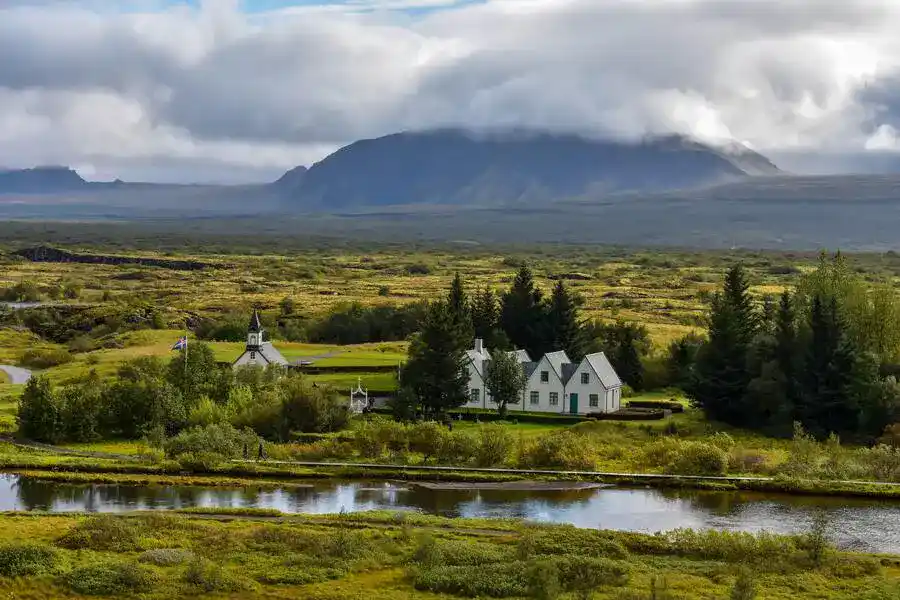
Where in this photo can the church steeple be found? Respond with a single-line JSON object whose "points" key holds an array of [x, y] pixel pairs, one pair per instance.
{"points": [[254, 332]]}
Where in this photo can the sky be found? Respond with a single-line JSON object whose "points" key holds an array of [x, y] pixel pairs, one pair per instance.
{"points": [[241, 90]]}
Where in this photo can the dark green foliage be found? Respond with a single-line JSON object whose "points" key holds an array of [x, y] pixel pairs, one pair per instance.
{"points": [[523, 316], [564, 329], [486, 320], [196, 373], [141, 400], [207, 576], [309, 409], [567, 539], [111, 578], [356, 324], [44, 358], [744, 587], [721, 375], [504, 380], [40, 415], [680, 361], [19, 560], [460, 310], [624, 344], [435, 374]]}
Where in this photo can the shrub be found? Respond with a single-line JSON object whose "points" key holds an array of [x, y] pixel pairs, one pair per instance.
{"points": [[675, 407], [103, 533], [208, 576], [494, 445], [457, 448], [699, 458], [854, 568], [44, 358], [563, 449], [166, 557], [17, 560], [582, 575], [427, 439], [111, 578], [218, 440], [500, 581], [543, 580], [567, 539]]}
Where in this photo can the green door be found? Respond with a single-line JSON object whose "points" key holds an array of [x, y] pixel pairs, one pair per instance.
{"points": [[573, 404]]}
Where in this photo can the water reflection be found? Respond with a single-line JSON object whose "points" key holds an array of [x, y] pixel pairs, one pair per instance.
{"points": [[862, 524]]}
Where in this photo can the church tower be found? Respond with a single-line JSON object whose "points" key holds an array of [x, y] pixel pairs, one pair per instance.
{"points": [[254, 333]]}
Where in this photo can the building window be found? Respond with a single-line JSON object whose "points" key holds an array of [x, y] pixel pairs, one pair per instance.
{"points": [[545, 376], [594, 400], [535, 397], [585, 378], [474, 394], [554, 399], [253, 356]]}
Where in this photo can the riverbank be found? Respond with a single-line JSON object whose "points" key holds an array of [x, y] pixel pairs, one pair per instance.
{"points": [[411, 557]]}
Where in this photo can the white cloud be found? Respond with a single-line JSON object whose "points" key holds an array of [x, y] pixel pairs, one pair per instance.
{"points": [[257, 93]]}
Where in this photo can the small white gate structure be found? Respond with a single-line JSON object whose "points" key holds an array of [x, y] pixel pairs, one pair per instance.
{"points": [[359, 398]]}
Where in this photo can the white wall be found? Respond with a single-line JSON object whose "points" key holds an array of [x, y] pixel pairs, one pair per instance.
{"points": [[251, 359], [584, 391], [554, 385], [475, 382]]}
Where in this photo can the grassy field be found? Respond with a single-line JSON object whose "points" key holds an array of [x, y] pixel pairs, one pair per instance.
{"points": [[245, 554]]}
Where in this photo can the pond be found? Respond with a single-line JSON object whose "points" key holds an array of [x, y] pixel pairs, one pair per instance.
{"points": [[865, 525]]}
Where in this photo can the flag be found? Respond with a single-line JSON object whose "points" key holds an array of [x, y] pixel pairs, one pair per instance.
{"points": [[181, 344]]}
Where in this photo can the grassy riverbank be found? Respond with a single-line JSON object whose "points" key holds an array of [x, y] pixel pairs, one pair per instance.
{"points": [[393, 557]]}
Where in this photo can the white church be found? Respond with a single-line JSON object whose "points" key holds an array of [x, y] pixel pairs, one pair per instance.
{"points": [[258, 353], [554, 384]]}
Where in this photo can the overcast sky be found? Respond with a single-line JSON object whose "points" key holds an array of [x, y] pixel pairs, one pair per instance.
{"points": [[225, 90]]}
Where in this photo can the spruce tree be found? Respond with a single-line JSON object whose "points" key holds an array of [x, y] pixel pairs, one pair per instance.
{"points": [[486, 319], [627, 360], [722, 376], [460, 311], [435, 375], [522, 315], [563, 325]]}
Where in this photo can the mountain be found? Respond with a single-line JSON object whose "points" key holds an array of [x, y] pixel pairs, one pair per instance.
{"points": [[456, 167], [40, 180], [292, 180]]}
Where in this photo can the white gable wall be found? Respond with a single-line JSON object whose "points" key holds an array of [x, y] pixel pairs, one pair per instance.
{"points": [[250, 359], [554, 385], [476, 382], [593, 387]]}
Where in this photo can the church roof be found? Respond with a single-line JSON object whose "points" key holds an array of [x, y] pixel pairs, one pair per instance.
{"points": [[255, 325]]}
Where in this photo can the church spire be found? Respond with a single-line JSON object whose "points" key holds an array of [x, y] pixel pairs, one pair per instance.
{"points": [[255, 325]]}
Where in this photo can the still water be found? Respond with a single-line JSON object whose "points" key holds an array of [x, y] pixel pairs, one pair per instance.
{"points": [[866, 525]]}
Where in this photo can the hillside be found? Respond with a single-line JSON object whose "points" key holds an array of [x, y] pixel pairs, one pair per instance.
{"points": [[459, 168], [40, 180]]}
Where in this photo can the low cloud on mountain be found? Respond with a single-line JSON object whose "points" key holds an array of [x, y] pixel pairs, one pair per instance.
{"points": [[225, 91]]}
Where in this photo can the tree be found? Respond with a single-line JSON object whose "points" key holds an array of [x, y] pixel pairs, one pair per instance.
{"points": [[195, 373], [681, 358], [435, 372], [563, 325], [39, 416], [309, 409], [486, 319], [460, 311], [624, 344], [721, 375], [504, 380], [522, 315]]}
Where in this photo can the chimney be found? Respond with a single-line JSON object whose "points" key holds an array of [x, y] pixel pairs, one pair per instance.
{"points": [[479, 345]]}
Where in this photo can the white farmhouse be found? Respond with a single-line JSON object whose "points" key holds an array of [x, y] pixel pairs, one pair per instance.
{"points": [[554, 384], [258, 352]]}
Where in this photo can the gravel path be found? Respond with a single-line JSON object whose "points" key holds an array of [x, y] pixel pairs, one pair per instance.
{"points": [[16, 374]]}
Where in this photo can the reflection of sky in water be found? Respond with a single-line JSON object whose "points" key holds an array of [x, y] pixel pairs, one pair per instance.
{"points": [[866, 525]]}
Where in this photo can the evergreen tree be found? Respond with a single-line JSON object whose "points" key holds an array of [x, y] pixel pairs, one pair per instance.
{"points": [[681, 360], [435, 376], [522, 315], [485, 313], [460, 311], [722, 377], [563, 325], [627, 361]]}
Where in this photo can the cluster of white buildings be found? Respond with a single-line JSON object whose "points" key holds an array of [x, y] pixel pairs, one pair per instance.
{"points": [[553, 384]]}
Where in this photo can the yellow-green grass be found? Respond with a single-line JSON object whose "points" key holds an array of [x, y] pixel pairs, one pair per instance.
{"points": [[344, 381], [258, 555], [123, 447]]}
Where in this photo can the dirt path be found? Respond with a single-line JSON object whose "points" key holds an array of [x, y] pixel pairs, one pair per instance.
{"points": [[17, 375]]}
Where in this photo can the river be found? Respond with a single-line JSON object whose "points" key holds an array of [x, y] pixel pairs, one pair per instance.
{"points": [[866, 525]]}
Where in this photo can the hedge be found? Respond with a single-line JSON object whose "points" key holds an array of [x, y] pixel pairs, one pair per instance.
{"points": [[631, 414], [675, 407]]}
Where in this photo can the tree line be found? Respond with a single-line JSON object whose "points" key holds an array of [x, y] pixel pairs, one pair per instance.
{"points": [[434, 378], [152, 398], [818, 357]]}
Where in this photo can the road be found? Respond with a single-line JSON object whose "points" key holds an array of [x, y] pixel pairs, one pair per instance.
{"points": [[16, 374]]}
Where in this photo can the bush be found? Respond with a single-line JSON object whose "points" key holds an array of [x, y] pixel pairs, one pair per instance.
{"points": [[499, 581], [166, 557], [567, 539], [699, 458], [562, 449], [111, 578], [17, 560], [103, 533], [310, 409], [44, 358], [494, 445], [457, 448], [582, 575], [630, 414], [208, 577], [220, 440], [675, 407]]}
